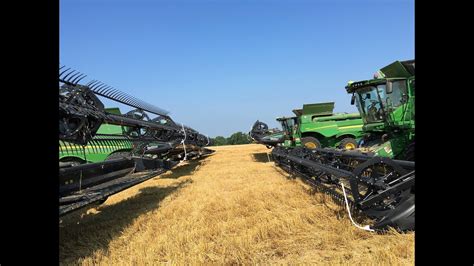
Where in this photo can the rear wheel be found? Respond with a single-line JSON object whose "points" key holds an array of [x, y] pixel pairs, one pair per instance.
{"points": [[348, 144], [311, 142]]}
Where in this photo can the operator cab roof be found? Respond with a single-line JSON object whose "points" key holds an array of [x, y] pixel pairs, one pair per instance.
{"points": [[397, 69]]}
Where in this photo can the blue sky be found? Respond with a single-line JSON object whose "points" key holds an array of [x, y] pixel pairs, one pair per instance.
{"points": [[218, 66]]}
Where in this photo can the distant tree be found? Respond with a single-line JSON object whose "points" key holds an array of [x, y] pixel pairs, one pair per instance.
{"points": [[219, 140], [234, 139], [238, 138]]}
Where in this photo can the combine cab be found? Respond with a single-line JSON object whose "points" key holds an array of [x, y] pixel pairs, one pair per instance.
{"points": [[378, 178], [387, 106], [290, 129]]}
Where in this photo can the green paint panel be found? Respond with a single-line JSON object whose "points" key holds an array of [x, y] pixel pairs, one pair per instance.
{"points": [[398, 70], [317, 120], [318, 109], [100, 147]]}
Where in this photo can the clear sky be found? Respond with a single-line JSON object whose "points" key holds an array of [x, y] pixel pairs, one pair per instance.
{"points": [[218, 66]]}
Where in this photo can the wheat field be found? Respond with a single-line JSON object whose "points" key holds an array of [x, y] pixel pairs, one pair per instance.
{"points": [[233, 207]]}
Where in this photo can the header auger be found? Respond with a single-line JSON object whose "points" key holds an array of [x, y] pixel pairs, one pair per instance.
{"points": [[135, 145]]}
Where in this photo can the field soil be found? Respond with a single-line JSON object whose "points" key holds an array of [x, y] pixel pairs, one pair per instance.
{"points": [[233, 207]]}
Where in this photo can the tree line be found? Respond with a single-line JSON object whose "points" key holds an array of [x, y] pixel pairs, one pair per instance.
{"points": [[234, 139]]}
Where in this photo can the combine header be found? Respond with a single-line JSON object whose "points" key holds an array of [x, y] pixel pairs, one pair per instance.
{"points": [[268, 137], [378, 178], [382, 188], [103, 152]]}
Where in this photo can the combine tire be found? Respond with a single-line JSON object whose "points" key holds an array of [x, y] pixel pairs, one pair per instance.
{"points": [[311, 143], [348, 144]]}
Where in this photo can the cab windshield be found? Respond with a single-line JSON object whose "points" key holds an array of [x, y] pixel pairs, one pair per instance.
{"points": [[369, 101], [374, 102], [287, 125]]}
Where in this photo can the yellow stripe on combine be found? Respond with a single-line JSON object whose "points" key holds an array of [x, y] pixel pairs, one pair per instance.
{"points": [[350, 127], [307, 129], [91, 147], [344, 127]]}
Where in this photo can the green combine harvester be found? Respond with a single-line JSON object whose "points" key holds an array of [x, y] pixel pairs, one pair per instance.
{"points": [[109, 143], [314, 126], [378, 178], [387, 105]]}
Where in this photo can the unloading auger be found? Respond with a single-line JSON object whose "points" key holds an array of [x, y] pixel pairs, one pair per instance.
{"points": [[158, 143]]}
